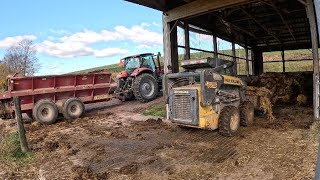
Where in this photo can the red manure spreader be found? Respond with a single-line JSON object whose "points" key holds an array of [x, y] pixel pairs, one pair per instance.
{"points": [[43, 98]]}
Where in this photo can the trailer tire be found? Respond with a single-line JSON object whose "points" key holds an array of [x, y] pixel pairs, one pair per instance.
{"points": [[72, 108], [45, 112], [145, 87], [246, 113], [229, 121], [29, 115]]}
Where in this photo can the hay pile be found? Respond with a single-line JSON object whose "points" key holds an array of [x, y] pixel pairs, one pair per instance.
{"points": [[280, 88], [261, 97], [286, 87]]}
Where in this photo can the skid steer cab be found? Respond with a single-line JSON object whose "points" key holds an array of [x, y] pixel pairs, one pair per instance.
{"points": [[207, 96], [141, 78]]}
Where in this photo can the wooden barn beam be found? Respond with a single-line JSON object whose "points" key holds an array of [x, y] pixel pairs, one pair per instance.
{"points": [[257, 61], [283, 61], [247, 61], [261, 25], [199, 7], [186, 41], [187, 1], [155, 4], [169, 48], [213, 31], [215, 47], [282, 17], [302, 2], [234, 58], [314, 37], [174, 49], [239, 28]]}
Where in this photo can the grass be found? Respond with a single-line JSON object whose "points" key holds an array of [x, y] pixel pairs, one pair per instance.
{"points": [[10, 150], [268, 67], [156, 110], [292, 66], [113, 68]]}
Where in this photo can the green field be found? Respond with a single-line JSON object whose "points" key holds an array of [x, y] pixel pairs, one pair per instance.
{"points": [[113, 68], [268, 67]]}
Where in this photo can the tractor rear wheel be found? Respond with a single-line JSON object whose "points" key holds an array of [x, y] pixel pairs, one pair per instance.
{"points": [[229, 121], [45, 112], [145, 88], [246, 113]]}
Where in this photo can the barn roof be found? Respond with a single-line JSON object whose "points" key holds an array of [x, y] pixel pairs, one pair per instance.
{"points": [[267, 24]]}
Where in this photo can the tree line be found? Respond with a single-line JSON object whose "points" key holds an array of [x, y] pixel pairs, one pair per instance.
{"points": [[20, 58]]}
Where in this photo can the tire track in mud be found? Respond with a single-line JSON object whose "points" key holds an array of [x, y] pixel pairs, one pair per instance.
{"points": [[123, 152], [143, 143], [220, 153]]}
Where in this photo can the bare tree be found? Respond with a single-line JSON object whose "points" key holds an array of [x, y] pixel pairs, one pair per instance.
{"points": [[21, 58], [4, 72]]}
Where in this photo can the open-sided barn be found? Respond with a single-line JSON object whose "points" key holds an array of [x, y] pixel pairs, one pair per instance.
{"points": [[256, 25]]}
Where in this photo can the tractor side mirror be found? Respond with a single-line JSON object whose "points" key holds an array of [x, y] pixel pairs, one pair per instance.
{"points": [[121, 63]]}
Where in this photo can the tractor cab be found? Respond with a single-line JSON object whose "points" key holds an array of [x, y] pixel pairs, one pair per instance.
{"points": [[136, 62]]}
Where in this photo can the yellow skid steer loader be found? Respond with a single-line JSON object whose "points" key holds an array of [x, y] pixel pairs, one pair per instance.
{"points": [[204, 97]]}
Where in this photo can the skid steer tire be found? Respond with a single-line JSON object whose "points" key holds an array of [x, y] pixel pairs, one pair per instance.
{"points": [[45, 112], [145, 88], [246, 113], [229, 121], [73, 108]]}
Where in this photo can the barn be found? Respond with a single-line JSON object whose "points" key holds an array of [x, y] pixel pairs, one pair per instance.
{"points": [[258, 26]]}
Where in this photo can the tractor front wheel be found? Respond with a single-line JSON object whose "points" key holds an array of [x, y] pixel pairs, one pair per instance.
{"points": [[145, 88]]}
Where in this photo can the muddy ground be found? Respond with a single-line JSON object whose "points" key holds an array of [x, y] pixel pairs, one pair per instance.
{"points": [[114, 141]]}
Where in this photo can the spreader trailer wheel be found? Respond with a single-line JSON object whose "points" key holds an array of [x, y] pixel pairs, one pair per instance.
{"points": [[73, 108], [45, 112]]}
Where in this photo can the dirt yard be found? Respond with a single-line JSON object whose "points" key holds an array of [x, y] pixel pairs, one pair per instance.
{"points": [[114, 141]]}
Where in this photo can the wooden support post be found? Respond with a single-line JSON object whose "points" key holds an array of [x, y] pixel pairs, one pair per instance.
{"points": [[315, 45], [234, 51], [166, 45], [257, 61], [174, 48], [186, 41], [215, 46], [234, 58], [170, 45], [21, 130], [247, 61], [215, 49], [283, 61]]}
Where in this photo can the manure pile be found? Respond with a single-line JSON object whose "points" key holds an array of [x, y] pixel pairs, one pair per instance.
{"points": [[285, 88]]}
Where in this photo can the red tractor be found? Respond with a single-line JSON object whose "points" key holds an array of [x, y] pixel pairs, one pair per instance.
{"points": [[141, 78]]}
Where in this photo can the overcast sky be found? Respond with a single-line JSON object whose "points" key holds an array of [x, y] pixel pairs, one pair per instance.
{"points": [[73, 35]]}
